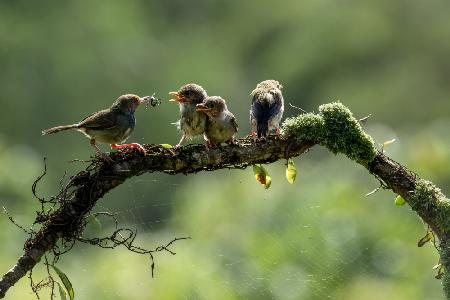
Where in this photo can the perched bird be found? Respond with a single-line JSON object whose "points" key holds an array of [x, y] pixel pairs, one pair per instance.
{"points": [[112, 125], [192, 123], [221, 125], [267, 108]]}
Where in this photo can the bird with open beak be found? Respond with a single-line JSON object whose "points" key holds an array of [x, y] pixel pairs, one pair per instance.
{"points": [[192, 122], [221, 125], [267, 108], [112, 125]]}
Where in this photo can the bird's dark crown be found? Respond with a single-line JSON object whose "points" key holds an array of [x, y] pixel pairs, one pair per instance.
{"points": [[193, 93], [216, 103], [128, 102]]}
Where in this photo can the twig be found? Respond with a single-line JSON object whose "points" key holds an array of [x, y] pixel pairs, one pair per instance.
{"points": [[296, 107]]}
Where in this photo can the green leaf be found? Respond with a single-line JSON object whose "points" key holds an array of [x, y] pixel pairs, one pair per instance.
{"points": [[94, 220], [166, 146], [257, 169], [62, 293], [291, 171], [399, 201], [65, 280], [425, 239]]}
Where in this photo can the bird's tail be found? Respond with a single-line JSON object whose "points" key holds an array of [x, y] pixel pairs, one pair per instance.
{"points": [[58, 129], [262, 129]]}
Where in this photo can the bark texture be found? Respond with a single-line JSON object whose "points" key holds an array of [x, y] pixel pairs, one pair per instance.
{"points": [[334, 127]]}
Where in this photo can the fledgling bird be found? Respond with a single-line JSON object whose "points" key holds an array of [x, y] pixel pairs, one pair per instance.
{"points": [[267, 108], [192, 123], [221, 124], [112, 125]]}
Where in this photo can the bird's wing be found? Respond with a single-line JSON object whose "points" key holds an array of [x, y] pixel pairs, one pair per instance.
{"points": [[103, 119], [276, 104], [233, 122], [260, 109]]}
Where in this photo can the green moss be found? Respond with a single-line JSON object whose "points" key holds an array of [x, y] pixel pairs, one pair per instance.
{"points": [[446, 284], [445, 260], [306, 127], [428, 197], [335, 128]]}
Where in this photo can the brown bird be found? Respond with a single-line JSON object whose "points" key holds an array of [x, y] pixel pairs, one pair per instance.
{"points": [[112, 125], [192, 123], [267, 108], [221, 125]]}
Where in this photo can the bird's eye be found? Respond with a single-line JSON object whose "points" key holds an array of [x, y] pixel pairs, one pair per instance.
{"points": [[210, 105]]}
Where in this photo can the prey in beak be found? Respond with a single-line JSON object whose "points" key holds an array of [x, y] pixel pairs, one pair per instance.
{"points": [[177, 97], [152, 100]]}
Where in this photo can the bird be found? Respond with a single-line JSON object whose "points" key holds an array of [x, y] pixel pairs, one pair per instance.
{"points": [[112, 125], [221, 124], [267, 108], [192, 123]]}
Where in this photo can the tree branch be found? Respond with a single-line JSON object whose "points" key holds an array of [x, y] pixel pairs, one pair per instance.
{"points": [[334, 127]]}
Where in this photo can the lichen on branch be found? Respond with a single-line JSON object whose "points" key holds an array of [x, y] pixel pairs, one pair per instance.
{"points": [[335, 128]]}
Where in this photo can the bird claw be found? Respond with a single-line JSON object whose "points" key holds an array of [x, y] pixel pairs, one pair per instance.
{"points": [[137, 146], [232, 142], [209, 145]]}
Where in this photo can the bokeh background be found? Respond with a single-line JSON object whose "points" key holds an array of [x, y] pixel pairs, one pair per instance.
{"points": [[320, 238]]}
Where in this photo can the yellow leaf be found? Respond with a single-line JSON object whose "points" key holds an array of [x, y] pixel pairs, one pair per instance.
{"points": [[437, 266], [387, 143], [268, 182], [262, 176], [291, 171], [399, 201], [166, 146], [425, 239]]}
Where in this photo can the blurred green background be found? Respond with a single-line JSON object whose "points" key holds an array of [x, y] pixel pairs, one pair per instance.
{"points": [[320, 238]]}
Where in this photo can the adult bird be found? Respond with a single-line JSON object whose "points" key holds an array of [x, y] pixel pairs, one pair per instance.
{"points": [[221, 125], [192, 122], [267, 108], [112, 125]]}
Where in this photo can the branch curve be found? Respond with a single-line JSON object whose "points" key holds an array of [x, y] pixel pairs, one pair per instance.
{"points": [[333, 127]]}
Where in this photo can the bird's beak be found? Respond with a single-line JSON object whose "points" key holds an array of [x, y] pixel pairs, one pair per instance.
{"points": [[177, 97], [145, 99], [202, 108]]}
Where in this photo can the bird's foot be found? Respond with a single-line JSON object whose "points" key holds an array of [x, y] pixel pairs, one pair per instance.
{"points": [[209, 145], [100, 152], [132, 145], [232, 141], [254, 136], [278, 131]]}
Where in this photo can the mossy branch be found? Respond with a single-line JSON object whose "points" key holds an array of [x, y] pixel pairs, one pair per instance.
{"points": [[333, 127]]}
